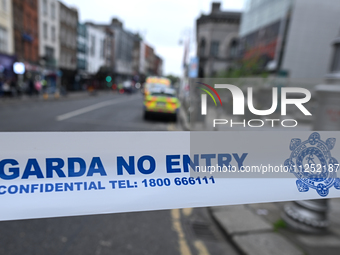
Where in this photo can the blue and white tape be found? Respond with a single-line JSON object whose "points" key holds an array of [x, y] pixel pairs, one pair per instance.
{"points": [[65, 174]]}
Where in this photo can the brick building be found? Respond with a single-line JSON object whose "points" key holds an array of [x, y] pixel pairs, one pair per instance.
{"points": [[26, 30]]}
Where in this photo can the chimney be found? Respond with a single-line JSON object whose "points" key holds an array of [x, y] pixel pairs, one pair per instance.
{"points": [[215, 7], [116, 22]]}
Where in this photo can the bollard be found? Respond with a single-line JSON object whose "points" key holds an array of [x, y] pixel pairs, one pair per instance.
{"points": [[310, 216]]}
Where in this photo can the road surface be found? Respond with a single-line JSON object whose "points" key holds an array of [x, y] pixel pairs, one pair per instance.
{"points": [[178, 231]]}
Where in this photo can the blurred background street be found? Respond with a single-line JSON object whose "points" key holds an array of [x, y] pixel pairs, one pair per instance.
{"points": [[115, 112], [80, 65], [178, 231]]}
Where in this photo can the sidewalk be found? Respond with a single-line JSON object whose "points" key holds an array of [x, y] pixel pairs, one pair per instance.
{"points": [[257, 229]]}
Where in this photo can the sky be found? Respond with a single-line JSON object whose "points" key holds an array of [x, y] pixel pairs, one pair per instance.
{"points": [[162, 23]]}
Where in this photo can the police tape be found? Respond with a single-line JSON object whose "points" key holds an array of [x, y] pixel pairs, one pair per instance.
{"points": [[80, 173]]}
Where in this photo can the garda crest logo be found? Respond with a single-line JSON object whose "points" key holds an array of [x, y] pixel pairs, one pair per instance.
{"points": [[312, 163]]}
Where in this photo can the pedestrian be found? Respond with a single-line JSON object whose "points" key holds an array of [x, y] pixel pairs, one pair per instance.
{"points": [[31, 87], [44, 86], [6, 88], [38, 86], [14, 89]]}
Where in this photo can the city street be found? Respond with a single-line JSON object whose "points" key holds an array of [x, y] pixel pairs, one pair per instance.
{"points": [[178, 231]]}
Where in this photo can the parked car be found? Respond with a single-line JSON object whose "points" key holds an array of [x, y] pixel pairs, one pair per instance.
{"points": [[127, 86], [161, 100]]}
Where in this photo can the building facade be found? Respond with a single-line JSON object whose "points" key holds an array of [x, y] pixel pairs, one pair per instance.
{"points": [[108, 49], [6, 40], [216, 34], [49, 47], [335, 63], [96, 48], [150, 60], [82, 51], [159, 66], [109, 46], [26, 30], [6, 27], [123, 51], [136, 56], [291, 35], [125, 57], [141, 61], [82, 47], [68, 37], [333, 77], [146, 61], [263, 28]]}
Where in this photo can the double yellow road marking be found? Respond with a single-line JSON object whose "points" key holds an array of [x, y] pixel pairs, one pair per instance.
{"points": [[182, 242]]}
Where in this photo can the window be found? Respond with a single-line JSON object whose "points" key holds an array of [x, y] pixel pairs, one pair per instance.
{"points": [[82, 30], [45, 30], [3, 40], [44, 7], [4, 5], [233, 48], [67, 38], [62, 35], [336, 59], [102, 45], [53, 35], [202, 48], [163, 94], [82, 48], [49, 53], [68, 19], [29, 23], [74, 22], [61, 14], [52, 11], [214, 48], [93, 42], [81, 64]]}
